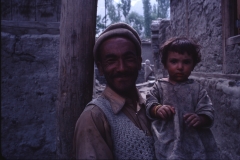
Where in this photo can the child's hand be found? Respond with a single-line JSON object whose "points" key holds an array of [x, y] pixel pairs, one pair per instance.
{"points": [[165, 112], [195, 120]]}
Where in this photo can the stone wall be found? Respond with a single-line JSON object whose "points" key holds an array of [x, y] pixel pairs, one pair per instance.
{"points": [[147, 52], [219, 70], [225, 95], [201, 21], [232, 59], [29, 78], [161, 31], [29, 67], [31, 10]]}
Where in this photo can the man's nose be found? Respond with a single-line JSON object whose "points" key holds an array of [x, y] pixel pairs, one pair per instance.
{"points": [[121, 65]]}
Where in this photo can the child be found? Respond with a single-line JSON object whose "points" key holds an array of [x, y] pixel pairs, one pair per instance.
{"points": [[180, 108]]}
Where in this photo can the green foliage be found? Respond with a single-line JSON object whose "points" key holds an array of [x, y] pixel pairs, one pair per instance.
{"points": [[136, 21], [147, 17], [108, 3], [126, 6], [112, 13], [99, 24], [163, 6], [154, 12]]}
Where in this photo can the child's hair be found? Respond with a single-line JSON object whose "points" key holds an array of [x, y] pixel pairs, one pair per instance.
{"points": [[181, 45]]}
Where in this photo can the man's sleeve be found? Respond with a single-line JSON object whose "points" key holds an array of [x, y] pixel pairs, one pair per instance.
{"points": [[152, 98], [204, 105], [92, 136]]}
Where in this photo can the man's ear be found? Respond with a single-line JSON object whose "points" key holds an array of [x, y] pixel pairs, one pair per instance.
{"points": [[99, 66]]}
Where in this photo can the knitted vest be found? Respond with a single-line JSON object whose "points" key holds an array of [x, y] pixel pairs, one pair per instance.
{"points": [[129, 141]]}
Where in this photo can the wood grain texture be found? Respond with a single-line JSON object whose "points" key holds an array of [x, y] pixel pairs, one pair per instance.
{"points": [[77, 38], [238, 13]]}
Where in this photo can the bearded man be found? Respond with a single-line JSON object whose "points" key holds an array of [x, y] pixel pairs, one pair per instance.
{"points": [[114, 125]]}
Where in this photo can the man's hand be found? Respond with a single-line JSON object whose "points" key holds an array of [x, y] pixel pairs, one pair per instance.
{"points": [[164, 112], [195, 120]]}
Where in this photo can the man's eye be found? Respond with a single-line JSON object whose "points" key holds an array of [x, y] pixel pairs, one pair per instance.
{"points": [[130, 58], [110, 60]]}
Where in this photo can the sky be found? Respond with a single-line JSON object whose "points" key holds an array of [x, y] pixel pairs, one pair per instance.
{"points": [[136, 5]]}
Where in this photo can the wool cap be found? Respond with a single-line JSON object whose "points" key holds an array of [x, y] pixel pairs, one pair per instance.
{"points": [[118, 30]]}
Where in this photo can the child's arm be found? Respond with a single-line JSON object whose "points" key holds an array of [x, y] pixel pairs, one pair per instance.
{"points": [[153, 108], [152, 99], [203, 115], [162, 111], [195, 120]]}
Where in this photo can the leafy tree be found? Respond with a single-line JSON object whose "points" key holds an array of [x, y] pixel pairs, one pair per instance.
{"points": [[126, 6], [113, 14], [147, 17], [119, 6], [136, 21], [163, 6], [108, 3], [154, 12], [99, 24]]}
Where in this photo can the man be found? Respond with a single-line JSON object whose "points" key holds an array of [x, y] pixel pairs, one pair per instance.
{"points": [[114, 125]]}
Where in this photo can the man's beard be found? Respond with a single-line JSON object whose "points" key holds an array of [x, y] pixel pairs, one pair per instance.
{"points": [[126, 88]]}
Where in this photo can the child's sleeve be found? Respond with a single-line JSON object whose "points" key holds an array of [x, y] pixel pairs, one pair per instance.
{"points": [[152, 99], [204, 105]]}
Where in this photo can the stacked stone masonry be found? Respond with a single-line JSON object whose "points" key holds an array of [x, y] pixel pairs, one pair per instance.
{"points": [[29, 67]]}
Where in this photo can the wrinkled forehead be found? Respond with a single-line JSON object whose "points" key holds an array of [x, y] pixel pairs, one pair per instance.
{"points": [[118, 45], [116, 40], [113, 43]]}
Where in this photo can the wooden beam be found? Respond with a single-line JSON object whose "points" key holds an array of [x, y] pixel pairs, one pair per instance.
{"points": [[238, 13], [77, 38]]}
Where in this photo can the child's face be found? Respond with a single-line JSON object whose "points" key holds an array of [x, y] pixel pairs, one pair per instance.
{"points": [[179, 66]]}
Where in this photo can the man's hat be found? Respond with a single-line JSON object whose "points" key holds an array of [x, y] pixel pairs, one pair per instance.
{"points": [[118, 30]]}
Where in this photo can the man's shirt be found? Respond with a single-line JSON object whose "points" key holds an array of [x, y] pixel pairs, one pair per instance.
{"points": [[92, 137]]}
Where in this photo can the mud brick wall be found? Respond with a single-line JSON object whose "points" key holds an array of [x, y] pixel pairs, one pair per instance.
{"points": [[31, 10], [225, 96], [201, 21], [29, 67], [29, 78]]}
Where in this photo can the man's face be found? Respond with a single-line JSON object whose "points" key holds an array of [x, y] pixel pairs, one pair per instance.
{"points": [[179, 66], [119, 64]]}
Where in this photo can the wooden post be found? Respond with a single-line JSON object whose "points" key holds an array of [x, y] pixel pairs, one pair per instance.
{"points": [[77, 38], [238, 13]]}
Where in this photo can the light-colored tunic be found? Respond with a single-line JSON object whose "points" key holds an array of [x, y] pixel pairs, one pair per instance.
{"points": [[173, 138]]}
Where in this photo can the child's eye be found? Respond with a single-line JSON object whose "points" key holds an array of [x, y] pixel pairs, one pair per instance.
{"points": [[187, 61], [173, 61]]}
